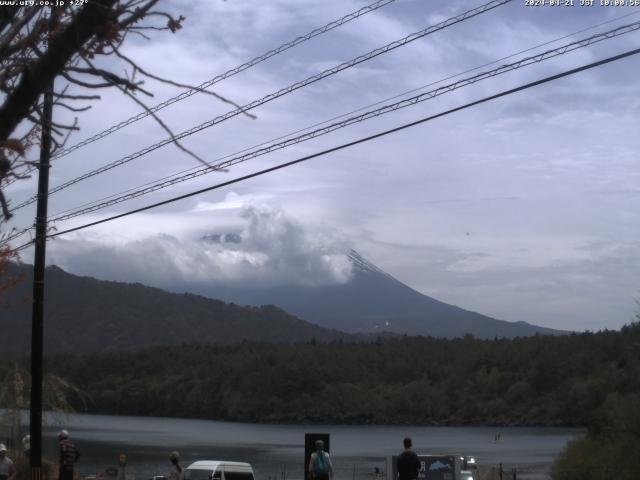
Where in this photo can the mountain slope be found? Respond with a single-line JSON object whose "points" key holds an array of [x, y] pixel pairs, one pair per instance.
{"points": [[85, 315], [375, 301]]}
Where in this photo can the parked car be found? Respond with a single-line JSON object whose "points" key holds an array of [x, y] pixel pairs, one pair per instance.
{"points": [[218, 470]]}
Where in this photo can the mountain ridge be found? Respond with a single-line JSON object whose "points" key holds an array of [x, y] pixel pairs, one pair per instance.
{"points": [[108, 315], [375, 301], [87, 315]]}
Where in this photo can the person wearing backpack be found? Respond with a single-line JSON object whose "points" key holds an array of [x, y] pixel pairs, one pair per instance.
{"points": [[320, 467]]}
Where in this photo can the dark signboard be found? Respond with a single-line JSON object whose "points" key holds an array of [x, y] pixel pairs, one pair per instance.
{"points": [[433, 467], [310, 447]]}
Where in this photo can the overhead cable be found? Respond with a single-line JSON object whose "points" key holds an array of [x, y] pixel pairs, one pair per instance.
{"points": [[343, 115], [268, 98], [591, 27], [552, 53], [16, 234], [229, 73], [349, 144]]}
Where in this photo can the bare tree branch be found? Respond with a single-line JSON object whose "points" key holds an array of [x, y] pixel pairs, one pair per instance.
{"points": [[72, 109], [77, 97], [138, 14], [175, 141], [111, 78], [39, 44], [61, 49], [180, 85]]}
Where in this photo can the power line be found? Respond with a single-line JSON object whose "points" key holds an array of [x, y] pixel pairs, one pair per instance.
{"points": [[16, 234], [355, 142], [218, 78], [229, 73], [198, 171], [30, 169], [379, 102], [268, 98], [552, 53]]}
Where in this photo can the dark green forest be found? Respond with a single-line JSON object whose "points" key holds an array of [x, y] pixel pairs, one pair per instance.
{"points": [[611, 448], [589, 379], [540, 380]]}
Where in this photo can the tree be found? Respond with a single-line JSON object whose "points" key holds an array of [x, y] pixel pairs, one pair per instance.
{"points": [[59, 394], [6, 281], [71, 43]]}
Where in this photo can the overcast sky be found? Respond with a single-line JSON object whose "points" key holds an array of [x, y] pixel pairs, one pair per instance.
{"points": [[524, 208]]}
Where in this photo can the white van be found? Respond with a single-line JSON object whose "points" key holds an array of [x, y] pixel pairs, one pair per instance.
{"points": [[218, 470]]}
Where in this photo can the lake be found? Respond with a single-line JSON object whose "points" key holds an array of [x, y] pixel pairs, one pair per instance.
{"points": [[276, 451]]}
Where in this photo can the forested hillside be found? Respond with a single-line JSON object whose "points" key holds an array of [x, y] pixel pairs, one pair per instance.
{"points": [[85, 315], [542, 380], [611, 448], [105, 315]]}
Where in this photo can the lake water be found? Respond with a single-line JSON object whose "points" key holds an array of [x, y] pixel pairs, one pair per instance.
{"points": [[276, 451]]}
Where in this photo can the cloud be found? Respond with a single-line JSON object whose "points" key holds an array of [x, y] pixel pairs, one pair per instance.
{"points": [[578, 284], [232, 201], [492, 208], [266, 247]]}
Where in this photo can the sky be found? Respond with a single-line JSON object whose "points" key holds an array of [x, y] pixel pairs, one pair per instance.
{"points": [[525, 208]]}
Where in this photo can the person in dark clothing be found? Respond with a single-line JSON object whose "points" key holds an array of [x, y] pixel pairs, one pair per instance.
{"points": [[68, 456], [408, 462]]}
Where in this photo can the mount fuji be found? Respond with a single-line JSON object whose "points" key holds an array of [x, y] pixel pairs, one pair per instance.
{"points": [[374, 301]]}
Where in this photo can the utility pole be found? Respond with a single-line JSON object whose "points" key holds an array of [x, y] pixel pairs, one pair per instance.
{"points": [[37, 322]]}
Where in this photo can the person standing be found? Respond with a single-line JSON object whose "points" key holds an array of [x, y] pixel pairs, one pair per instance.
{"points": [[320, 467], [408, 462], [176, 472], [68, 456], [7, 469], [26, 445]]}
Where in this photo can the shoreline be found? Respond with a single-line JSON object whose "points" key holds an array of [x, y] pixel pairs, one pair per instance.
{"points": [[329, 421]]}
